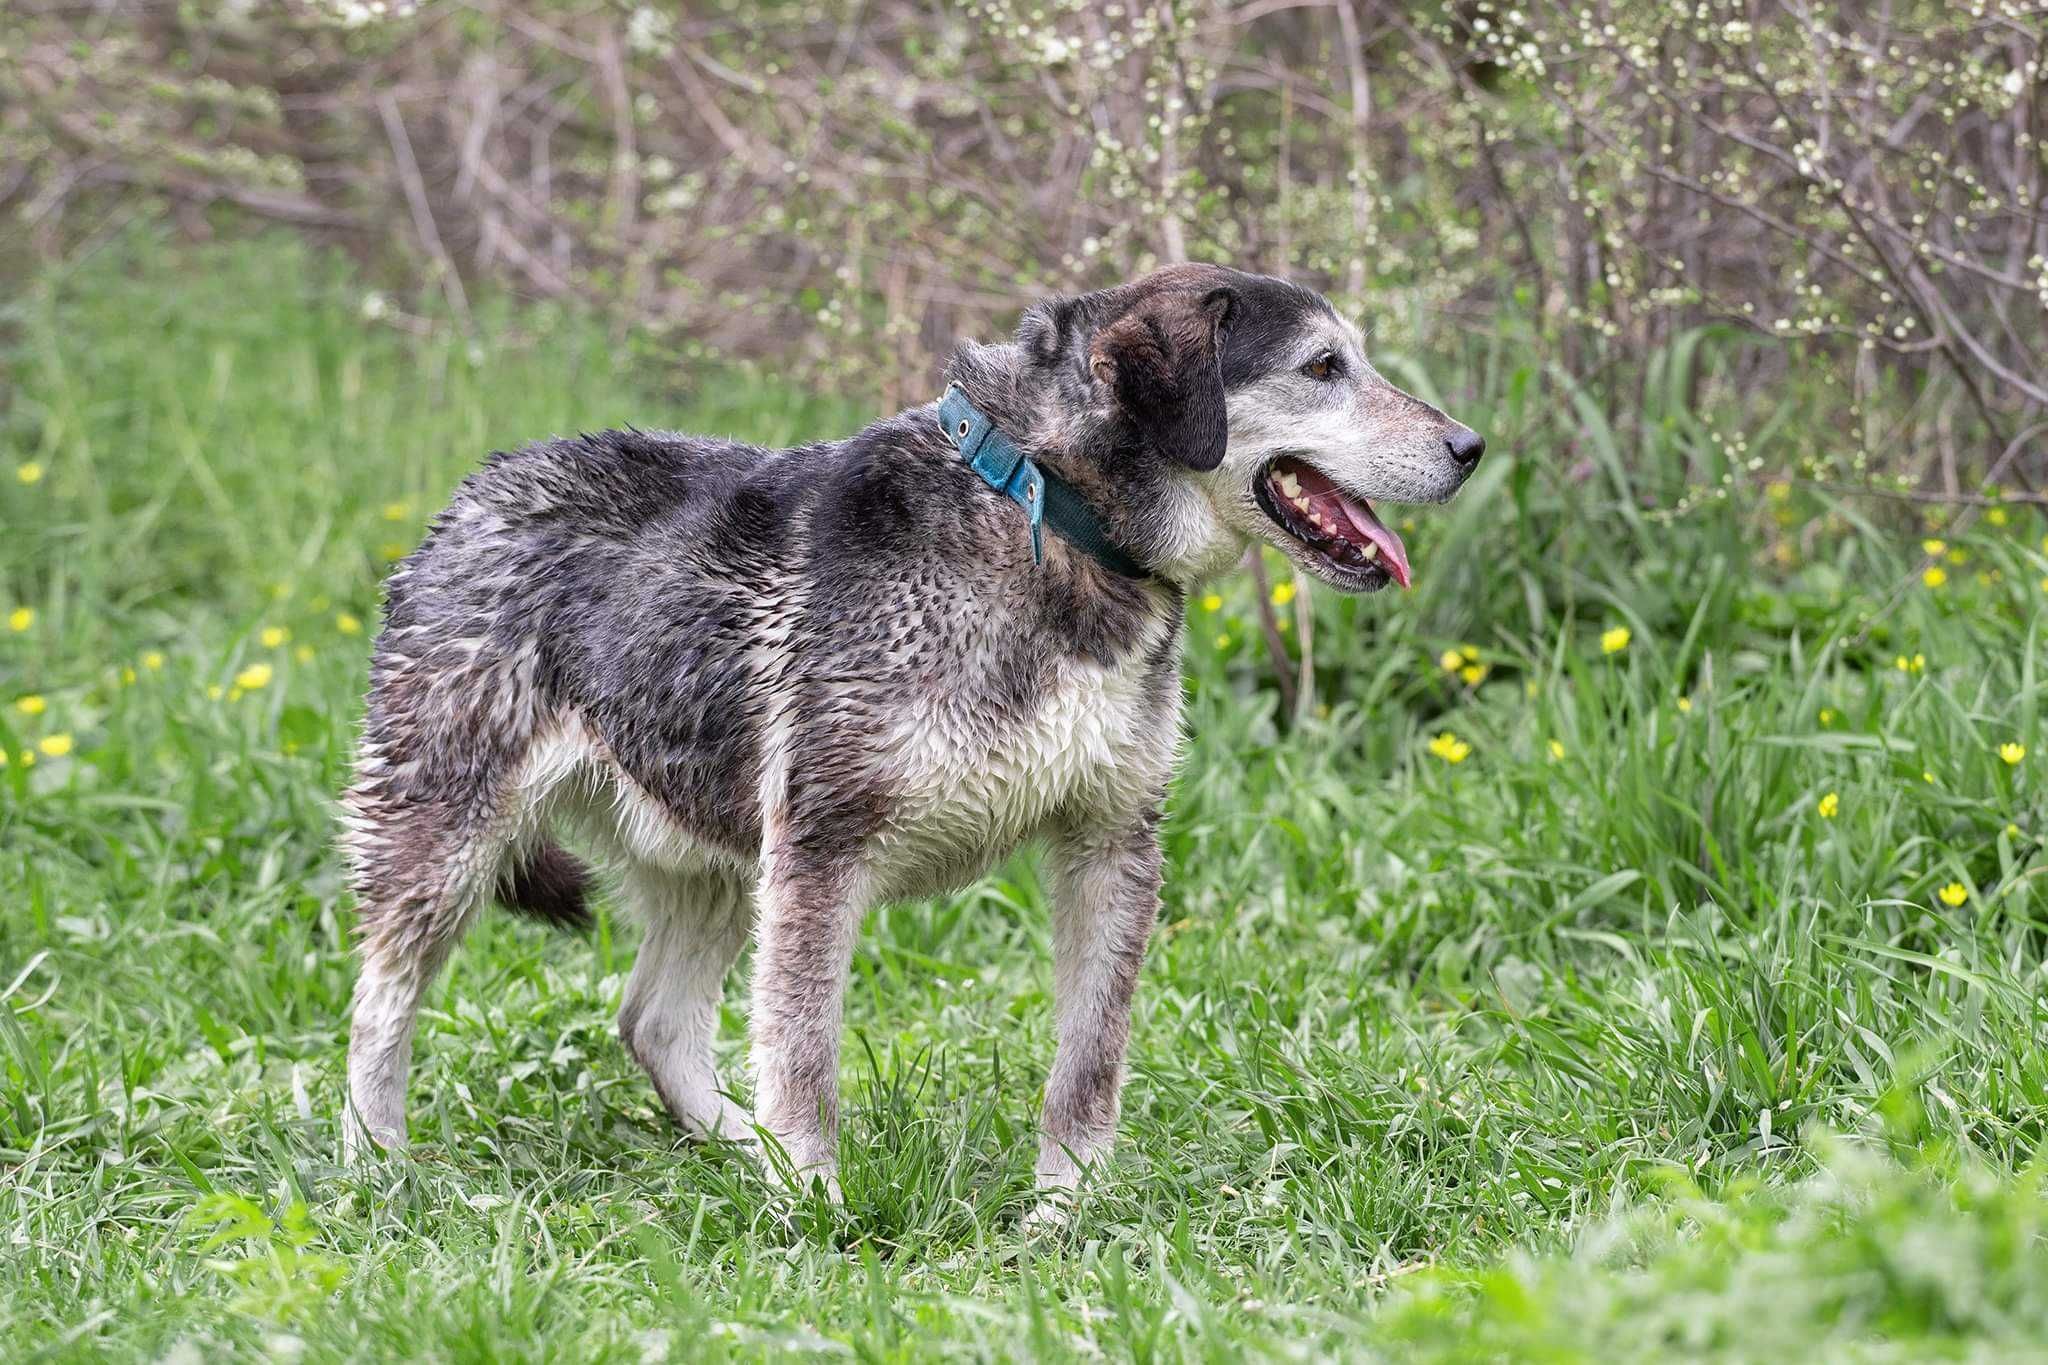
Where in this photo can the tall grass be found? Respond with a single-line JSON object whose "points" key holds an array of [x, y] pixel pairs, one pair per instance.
{"points": [[1533, 1041]]}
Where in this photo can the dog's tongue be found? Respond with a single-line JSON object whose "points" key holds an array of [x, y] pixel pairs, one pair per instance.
{"points": [[1367, 528], [1392, 552]]}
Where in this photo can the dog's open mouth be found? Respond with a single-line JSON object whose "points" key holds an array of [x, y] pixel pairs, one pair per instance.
{"points": [[1336, 529]]}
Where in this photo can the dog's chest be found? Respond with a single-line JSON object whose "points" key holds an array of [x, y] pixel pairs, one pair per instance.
{"points": [[970, 781]]}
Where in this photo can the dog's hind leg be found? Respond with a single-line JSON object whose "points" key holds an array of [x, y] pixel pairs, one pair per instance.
{"points": [[696, 926], [1105, 901], [420, 873]]}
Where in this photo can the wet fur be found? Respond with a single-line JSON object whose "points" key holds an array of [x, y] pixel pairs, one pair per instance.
{"points": [[773, 688]]}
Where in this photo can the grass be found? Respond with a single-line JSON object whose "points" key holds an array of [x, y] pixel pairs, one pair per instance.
{"points": [[1601, 1042]]}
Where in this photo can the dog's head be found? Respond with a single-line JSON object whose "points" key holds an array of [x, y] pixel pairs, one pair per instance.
{"points": [[1255, 401]]}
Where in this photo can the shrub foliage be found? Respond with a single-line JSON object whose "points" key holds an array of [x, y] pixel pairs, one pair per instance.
{"points": [[842, 189]]}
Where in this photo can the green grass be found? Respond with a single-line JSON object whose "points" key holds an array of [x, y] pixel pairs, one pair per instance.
{"points": [[1618, 1054]]}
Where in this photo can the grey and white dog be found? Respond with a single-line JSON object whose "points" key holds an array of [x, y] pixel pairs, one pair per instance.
{"points": [[776, 687]]}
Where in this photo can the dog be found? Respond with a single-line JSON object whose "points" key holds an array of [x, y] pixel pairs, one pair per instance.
{"points": [[774, 688]]}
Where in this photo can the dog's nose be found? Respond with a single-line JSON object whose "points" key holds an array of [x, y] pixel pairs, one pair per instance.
{"points": [[1466, 446]]}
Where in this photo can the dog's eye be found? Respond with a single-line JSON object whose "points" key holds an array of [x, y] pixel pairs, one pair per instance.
{"points": [[1323, 366]]}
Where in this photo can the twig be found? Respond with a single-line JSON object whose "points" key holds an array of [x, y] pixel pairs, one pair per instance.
{"points": [[1276, 644], [1928, 496], [422, 215], [1305, 638], [1361, 141]]}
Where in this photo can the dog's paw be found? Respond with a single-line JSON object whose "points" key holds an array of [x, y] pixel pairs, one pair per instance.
{"points": [[1051, 1215], [723, 1121], [812, 1180], [360, 1143], [798, 1181]]}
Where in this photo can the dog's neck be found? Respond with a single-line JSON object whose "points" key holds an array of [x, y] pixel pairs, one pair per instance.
{"points": [[1161, 519]]}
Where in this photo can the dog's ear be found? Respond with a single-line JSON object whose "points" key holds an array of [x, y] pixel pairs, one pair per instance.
{"points": [[1164, 362], [1043, 330]]}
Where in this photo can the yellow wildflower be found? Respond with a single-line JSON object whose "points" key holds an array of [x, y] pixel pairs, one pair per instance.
{"points": [[349, 625], [1557, 749], [273, 636], [1954, 894], [1614, 641], [28, 758], [1827, 718], [391, 549], [1958, 556], [1213, 602], [1926, 776], [1223, 642], [1685, 704], [1472, 674], [396, 511], [1777, 490], [1934, 547], [234, 694], [2012, 752], [128, 677], [31, 705], [1283, 593], [56, 746], [253, 677], [30, 473], [1451, 660], [2012, 831], [304, 654], [1996, 516], [1449, 748], [1830, 806], [21, 618], [1470, 653], [153, 661], [1935, 576], [214, 691], [1916, 664]]}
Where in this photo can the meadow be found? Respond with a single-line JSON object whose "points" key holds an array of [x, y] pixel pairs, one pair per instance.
{"points": [[1635, 952]]}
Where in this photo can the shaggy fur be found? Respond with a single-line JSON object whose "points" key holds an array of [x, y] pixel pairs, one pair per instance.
{"points": [[773, 688]]}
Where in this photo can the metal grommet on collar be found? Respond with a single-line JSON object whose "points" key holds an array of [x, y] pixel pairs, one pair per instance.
{"points": [[963, 428]]}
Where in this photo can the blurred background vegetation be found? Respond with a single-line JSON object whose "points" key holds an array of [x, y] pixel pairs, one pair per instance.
{"points": [[1843, 198]]}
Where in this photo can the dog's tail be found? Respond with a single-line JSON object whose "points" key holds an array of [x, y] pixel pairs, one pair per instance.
{"points": [[547, 883]]}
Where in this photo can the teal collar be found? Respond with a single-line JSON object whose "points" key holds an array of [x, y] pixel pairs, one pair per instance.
{"points": [[1047, 499]]}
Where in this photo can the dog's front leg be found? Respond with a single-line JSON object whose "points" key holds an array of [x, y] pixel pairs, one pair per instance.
{"points": [[1105, 901], [809, 914]]}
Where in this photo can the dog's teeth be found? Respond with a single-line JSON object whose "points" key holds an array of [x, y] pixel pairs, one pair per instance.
{"points": [[1302, 503], [1372, 551], [1289, 485]]}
